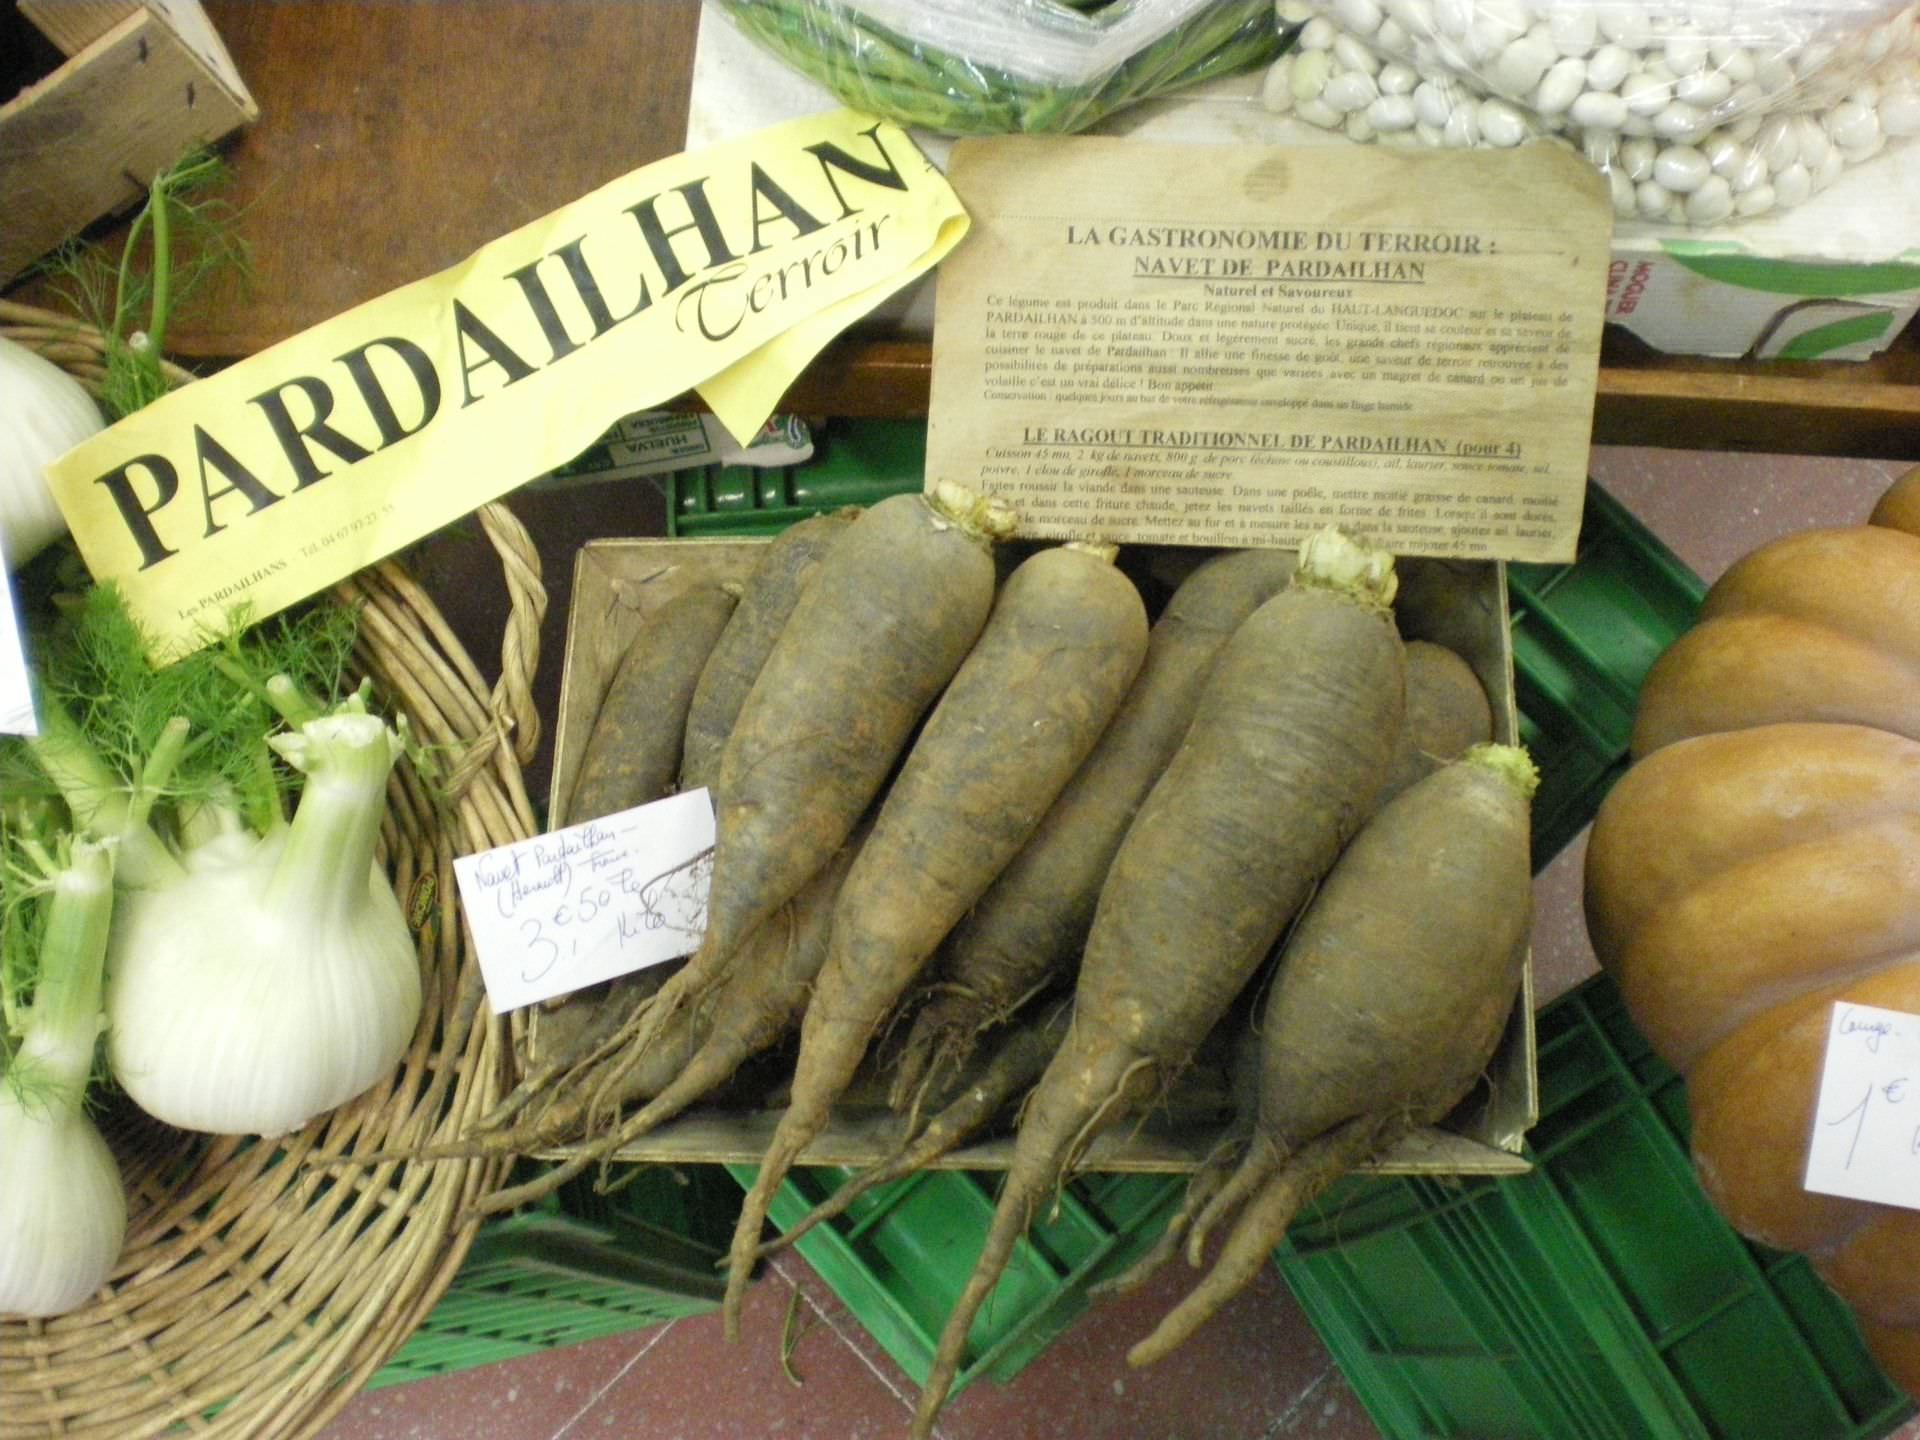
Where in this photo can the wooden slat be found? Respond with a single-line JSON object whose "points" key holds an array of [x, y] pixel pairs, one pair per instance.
{"points": [[75, 24], [83, 142]]}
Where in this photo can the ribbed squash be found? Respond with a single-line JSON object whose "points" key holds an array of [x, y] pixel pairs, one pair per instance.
{"points": [[1761, 861]]}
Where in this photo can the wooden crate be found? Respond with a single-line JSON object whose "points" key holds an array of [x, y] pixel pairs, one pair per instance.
{"points": [[142, 84], [1462, 604]]}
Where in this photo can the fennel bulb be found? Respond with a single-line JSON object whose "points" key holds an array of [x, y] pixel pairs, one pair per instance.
{"points": [[43, 414], [272, 977], [63, 1211]]}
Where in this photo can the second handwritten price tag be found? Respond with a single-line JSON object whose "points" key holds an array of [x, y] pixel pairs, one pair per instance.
{"points": [[585, 904], [1866, 1131]]}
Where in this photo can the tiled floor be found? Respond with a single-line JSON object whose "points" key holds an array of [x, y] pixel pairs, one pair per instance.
{"points": [[1257, 1371]]}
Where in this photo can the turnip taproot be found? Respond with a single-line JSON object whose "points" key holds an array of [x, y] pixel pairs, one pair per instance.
{"points": [[1028, 929], [1289, 745], [766, 603], [878, 631], [1001, 1071], [700, 1046], [1447, 714], [632, 754], [1390, 997], [1065, 640]]}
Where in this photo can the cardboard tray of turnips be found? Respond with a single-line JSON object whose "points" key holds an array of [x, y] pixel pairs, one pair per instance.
{"points": [[619, 583]]}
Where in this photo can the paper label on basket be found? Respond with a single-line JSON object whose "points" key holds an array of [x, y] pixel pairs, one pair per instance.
{"points": [[1241, 344], [590, 902], [725, 269], [1866, 1126], [16, 692]]}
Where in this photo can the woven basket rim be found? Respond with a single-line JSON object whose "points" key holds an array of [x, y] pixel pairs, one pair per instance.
{"points": [[263, 1283]]}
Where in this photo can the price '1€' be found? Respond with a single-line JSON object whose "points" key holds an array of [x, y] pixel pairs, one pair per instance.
{"points": [[1866, 1128]]}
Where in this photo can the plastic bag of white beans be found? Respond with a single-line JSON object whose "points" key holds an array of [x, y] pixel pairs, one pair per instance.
{"points": [[1697, 111]]}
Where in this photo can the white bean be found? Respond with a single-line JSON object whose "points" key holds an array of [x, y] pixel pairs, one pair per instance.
{"points": [[1359, 129], [1415, 16], [1350, 54], [1575, 29], [1705, 88], [1432, 103], [1311, 71], [1778, 142], [1793, 185], [1521, 65], [1627, 25], [1318, 112], [1601, 147], [1830, 167], [1681, 121], [1625, 202], [1350, 90], [1757, 201], [1608, 66], [1598, 110], [1774, 75], [1430, 134], [1652, 198], [1397, 79], [1685, 54], [1814, 145], [1500, 123], [1392, 38], [1900, 113], [1853, 126], [1637, 156], [1560, 87], [1711, 203], [1682, 169], [1751, 175], [1646, 94], [1736, 62], [1319, 33], [1293, 12], [1391, 112], [1462, 129], [1276, 90], [1362, 17]]}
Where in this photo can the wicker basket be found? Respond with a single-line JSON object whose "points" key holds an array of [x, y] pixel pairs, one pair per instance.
{"points": [[258, 1289]]}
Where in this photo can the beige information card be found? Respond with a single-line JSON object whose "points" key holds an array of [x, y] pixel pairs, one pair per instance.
{"points": [[1241, 344]]}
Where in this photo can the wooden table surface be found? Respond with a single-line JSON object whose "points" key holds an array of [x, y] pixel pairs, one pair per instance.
{"points": [[397, 136]]}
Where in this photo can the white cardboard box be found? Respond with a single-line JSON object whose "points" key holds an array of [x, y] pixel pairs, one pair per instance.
{"points": [[1835, 278]]}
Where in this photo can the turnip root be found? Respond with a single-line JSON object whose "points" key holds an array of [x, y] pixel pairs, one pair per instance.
{"points": [[1289, 746], [1029, 928], [1066, 637], [632, 754], [889, 614], [766, 603], [1000, 1072], [699, 1048], [1391, 996], [1447, 714]]}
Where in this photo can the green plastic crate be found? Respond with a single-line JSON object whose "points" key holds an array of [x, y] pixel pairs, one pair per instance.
{"points": [[856, 462], [900, 1256], [1599, 1297], [1584, 637], [580, 1267]]}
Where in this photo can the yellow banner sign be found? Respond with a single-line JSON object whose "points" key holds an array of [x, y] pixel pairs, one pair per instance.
{"points": [[725, 270]]}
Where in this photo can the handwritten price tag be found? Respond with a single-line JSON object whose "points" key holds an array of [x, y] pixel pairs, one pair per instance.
{"points": [[1866, 1130], [584, 904]]}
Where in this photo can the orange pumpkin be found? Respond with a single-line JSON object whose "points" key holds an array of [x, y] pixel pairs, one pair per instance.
{"points": [[1760, 862]]}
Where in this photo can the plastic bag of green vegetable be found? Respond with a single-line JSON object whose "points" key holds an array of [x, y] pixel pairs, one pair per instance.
{"points": [[994, 67]]}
